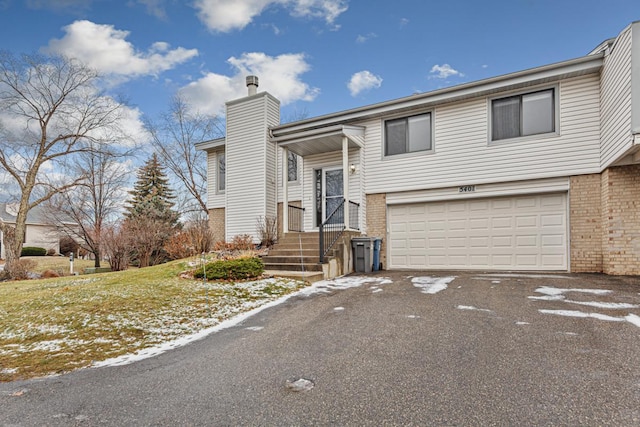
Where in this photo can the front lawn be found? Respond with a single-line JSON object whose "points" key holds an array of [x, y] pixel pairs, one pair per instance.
{"points": [[56, 325]]}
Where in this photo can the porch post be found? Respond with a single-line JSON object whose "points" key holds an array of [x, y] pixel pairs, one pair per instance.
{"points": [[285, 190], [345, 179]]}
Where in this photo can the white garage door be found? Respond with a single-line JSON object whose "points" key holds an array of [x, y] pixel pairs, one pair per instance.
{"points": [[506, 233]]}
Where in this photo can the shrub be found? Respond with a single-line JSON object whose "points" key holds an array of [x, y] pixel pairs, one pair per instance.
{"points": [[33, 251], [234, 269], [243, 242], [48, 274], [267, 228], [51, 252], [22, 268], [195, 239], [68, 245]]}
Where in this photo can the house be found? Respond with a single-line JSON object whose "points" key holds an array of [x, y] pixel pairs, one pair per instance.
{"points": [[533, 170], [40, 232]]}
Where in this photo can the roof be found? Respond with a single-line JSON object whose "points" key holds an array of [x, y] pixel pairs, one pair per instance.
{"points": [[37, 215]]}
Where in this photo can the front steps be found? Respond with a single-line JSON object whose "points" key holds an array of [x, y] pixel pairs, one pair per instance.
{"points": [[296, 256]]}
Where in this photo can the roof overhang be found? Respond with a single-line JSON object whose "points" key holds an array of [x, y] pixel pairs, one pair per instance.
{"points": [[321, 140], [211, 144]]}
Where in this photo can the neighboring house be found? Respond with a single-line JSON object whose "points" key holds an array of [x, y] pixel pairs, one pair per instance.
{"points": [[40, 232], [534, 170]]}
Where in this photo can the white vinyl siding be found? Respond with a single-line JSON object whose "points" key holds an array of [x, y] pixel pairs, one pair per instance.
{"points": [[616, 100], [215, 199], [247, 154], [464, 157], [502, 233], [330, 160]]}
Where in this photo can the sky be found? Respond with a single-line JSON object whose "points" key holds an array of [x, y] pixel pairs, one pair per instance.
{"points": [[316, 56]]}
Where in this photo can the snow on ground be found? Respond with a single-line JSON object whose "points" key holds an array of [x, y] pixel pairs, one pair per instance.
{"points": [[558, 294], [470, 307], [527, 276], [324, 286], [432, 285], [575, 313]]}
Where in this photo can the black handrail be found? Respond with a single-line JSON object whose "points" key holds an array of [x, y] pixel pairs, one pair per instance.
{"points": [[296, 218], [331, 229], [354, 215]]}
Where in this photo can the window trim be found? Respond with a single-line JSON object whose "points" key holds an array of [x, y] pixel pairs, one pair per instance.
{"points": [[218, 180], [556, 114], [383, 124]]}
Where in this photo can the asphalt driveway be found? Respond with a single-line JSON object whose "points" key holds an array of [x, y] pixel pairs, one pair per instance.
{"points": [[400, 348]]}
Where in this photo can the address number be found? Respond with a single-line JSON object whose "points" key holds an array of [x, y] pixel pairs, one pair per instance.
{"points": [[467, 189]]}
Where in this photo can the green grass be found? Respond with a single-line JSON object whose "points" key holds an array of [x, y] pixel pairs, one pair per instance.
{"points": [[52, 326]]}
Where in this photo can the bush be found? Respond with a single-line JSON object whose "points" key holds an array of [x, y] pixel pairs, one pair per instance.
{"points": [[23, 268], [243, 242], [234, 269], [267, 228], [33, 251], [68, 245], [51, 252]]}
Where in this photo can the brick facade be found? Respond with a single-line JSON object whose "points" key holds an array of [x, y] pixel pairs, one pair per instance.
{"points": [[216, 224], [585, 223], [377, 221], [621, 219]]}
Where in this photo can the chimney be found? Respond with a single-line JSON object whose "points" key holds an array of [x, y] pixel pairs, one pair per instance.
{"points": [[252, 84]]}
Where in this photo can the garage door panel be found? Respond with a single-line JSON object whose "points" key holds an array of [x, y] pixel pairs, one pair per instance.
{"points": [[523, 232]]}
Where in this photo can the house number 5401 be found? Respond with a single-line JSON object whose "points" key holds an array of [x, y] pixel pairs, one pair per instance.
{"points": [[467, 189]]}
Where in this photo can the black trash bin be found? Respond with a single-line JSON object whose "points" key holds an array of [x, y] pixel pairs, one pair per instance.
{"points": [[362, 254]]}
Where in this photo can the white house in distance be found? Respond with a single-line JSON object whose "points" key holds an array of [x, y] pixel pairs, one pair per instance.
{"points": [[534, 170], [40, 232]]}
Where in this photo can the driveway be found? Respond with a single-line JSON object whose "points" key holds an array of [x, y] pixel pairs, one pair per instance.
{"points": [[395, 348]]}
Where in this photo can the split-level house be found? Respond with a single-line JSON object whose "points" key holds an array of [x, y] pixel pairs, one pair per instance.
{"points": [[534, 170], [41, 230]]}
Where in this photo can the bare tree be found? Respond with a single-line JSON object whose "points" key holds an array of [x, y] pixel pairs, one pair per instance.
{"points": [[50, 111], [174, 137], [82, 212]]}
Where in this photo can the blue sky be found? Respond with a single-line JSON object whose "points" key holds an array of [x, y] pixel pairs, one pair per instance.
{"points": [[316, 56]]}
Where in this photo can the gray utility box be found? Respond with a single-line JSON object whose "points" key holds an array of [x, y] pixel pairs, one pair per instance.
{"points": [[362, 254]]}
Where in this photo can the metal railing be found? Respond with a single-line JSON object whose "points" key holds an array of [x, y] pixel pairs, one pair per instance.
{"points": [[296, 218], [331, 229], [354, 215]]}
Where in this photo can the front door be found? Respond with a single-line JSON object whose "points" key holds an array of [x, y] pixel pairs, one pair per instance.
{"points": [[330, 188]]}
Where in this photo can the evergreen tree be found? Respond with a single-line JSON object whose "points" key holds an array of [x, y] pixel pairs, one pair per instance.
{"points": [[150, 220], [152, 198]]}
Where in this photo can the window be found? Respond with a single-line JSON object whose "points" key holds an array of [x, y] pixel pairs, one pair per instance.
{"points": [[292, 167], [221, 172], [408, 135], [523, 115]]}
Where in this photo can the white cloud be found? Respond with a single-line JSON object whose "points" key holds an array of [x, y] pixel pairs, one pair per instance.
{"points": [[363, 80], [362, 39], [155, 8], [444, 71], [228, 15], [59, 5], [279, 75], [106, 49]]}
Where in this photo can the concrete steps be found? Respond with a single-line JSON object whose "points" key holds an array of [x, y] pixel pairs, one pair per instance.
{"points": [[295, 253]]}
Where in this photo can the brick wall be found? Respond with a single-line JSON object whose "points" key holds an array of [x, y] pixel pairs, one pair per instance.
{"points": [[216, 224], [377, 221], [621, 219], [585, 223]]}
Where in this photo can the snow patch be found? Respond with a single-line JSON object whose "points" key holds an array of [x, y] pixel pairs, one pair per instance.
{"points": [[609, 305], [529, 276], [340, 283], [254, 328], [413, 316], [470, 307], [338, 309], [575, 313], [523, 323], [432, 285], [550, 290], [633, 319]]}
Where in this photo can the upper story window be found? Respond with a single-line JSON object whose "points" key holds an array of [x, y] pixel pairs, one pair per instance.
{"points": [[522, 115], [292, 166], [408, 135], [221, 172]]}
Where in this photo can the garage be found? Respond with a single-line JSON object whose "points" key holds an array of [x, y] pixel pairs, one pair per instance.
{"points": [[500, 233]]}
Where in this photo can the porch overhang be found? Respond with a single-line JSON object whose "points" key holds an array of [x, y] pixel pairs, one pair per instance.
{"points": [[320, 140]]}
